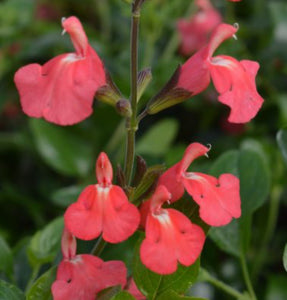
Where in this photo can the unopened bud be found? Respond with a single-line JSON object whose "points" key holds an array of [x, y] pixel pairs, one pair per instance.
{"points": [[123, 107]]}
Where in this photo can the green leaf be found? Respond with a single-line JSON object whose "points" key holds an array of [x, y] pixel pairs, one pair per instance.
{"points": [[277, 288], [123, 296], [10, 292], [172, 295], [254, 180], [67, 195], [6, 258], [45, 244], [250, 166], [41, 289], [282, 142], [152, 285], [227, 237], [285, 258], [158, 139], [63, 151]]}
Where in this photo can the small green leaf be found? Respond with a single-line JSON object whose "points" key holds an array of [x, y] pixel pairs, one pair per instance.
{"points": [[282, 142], [172, 295], [41, 289], [10, 292], [63, 151], [45, 244], [152, 285], [158, 139], [285, 257], [6, 258], [123, 296]]}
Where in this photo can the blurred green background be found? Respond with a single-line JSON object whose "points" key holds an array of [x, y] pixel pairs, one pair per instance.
{"points": [[44, 167]]}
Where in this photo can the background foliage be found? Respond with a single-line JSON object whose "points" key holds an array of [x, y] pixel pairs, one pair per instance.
{"points": [[44, 167]]}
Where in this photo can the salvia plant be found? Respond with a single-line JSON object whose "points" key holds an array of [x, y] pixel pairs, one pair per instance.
{"points": [[156, 217]]}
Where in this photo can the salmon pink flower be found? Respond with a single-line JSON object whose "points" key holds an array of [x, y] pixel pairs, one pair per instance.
{"points": [[62, 90], [102, 208], [82, 276], [195, 32], [133, 290], [234, 80], [218, 199], [170, 237]]}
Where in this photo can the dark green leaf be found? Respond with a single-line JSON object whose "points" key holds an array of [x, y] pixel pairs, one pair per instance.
{"points": [[152, 285], [123, 296], [282, 142], [45, 244], [158, 139], [10, 292], [41, 289], [63, 151], [254, 180], [226, 163], [285, 257], [227, 237], [6, 258], [277, 288], [172, 295]]}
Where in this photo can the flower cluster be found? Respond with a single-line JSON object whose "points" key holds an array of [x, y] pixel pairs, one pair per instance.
{"points": [[62, 92]]}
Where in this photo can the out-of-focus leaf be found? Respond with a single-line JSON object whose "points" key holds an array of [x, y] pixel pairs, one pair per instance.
{"points": [[41, 289], [227, 237], [10, 292], [172, 295], [285, 258], [22, 267], [277, 288], [63, 151], [6, 258], [66, 196], [153, 285], [45, 244], [158, 139], [123, 296], [282, 142]]}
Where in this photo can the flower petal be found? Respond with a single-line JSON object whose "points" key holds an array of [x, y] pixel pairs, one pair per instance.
{"points": [[84, 276], [121, 218], [84, 219], [170, 237], [219, 200], [235, 81]]}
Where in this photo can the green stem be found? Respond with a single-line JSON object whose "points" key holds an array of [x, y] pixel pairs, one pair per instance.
{"points": [[33, 277], [221, 285], [99, 246], [131, 123], [246, 275]]}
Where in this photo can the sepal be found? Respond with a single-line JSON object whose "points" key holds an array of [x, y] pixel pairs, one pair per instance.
{"points": [[109, 93], [144, 78], [170, 95]]}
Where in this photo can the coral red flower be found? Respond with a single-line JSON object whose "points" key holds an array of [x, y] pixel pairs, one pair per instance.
{"points": [[218, 199], [234, 80], [81, 277], [195, 32], [102, 208], [170, 237], [62, 90]]}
